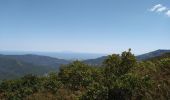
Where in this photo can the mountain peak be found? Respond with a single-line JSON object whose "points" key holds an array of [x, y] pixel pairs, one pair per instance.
{"points": [[152, 54]]}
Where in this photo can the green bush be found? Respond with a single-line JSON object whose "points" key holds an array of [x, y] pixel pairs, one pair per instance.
{"points": [[120, 77]]}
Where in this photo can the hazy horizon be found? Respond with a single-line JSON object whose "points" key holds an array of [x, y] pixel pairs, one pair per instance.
{"points": [[84, 26]]}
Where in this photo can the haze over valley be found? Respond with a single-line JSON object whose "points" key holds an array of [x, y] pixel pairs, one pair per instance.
{"points": [[84, 50]]}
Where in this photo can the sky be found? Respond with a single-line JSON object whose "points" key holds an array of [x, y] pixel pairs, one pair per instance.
{"points": [[91, 26]]}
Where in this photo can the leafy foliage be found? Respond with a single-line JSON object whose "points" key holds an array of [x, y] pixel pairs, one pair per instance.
{"points": [[76, 75], [121, 77]]}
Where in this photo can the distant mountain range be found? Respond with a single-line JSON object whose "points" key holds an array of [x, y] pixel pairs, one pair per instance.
{"points": [[38, 60], [12, 66], [61, 55], [152, 54], [99, 61], [158, 58]]}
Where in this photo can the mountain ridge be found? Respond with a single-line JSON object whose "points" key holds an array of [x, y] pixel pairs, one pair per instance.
{"points": [[19, 65], [99, 61], [37, 59], [13, 66], [152, 54]]}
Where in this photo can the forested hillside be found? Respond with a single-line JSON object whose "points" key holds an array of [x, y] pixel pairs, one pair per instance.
{"points": [[15, 66], [157, 58], [120, 77], [152, 54], [146, 56], [37, 60], [11, 68]]}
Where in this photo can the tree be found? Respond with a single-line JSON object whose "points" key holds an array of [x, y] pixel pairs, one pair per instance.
{"points": [[20, 88], [76, 75], [121, 83], [52, 83]]}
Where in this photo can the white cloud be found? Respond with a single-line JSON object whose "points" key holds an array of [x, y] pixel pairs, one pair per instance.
{"points": [[168, 13], [156, 7], [159, 8]]}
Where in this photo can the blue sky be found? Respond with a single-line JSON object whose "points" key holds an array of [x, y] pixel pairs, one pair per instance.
{"points": [[93, 26]]}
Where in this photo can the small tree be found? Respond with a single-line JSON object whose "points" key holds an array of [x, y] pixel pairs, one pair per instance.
{"points": [[52, 83], [76, 75]]}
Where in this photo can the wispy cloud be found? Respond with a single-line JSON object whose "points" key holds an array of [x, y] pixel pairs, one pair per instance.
{"points": [[168, 13], [159, 8], [156, 7]]}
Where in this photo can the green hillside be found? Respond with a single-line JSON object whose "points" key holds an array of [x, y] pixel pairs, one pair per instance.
{"points": [[11, 68], [120, 77], [143, 57], [38, 60], [157, 58]]}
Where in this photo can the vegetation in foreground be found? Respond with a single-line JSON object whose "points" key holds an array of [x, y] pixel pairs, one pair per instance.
{"points": [[121, 77]]}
